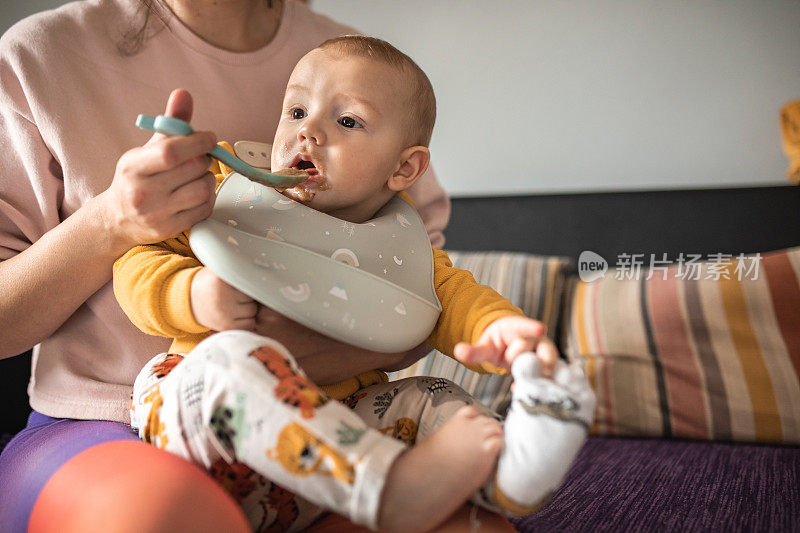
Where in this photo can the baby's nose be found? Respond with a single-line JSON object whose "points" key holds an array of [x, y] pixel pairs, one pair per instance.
{"points": [[311, 131]]}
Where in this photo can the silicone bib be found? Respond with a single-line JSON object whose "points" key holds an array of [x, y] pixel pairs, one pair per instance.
{"points": [[370, 284]]}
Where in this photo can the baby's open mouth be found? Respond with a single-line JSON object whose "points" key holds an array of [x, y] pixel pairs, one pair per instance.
{"points": [[304, 163], [306, 191], [308, 166]]}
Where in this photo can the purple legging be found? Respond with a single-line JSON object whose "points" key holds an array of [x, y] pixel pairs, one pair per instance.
{"points": [[38, 451]]}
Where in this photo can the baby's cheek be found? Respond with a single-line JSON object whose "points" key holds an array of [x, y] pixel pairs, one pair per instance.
{"points": [[280, 150], [355, 166]]}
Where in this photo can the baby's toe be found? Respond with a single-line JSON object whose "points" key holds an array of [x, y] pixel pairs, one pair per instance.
{"points": [[467, 412]]}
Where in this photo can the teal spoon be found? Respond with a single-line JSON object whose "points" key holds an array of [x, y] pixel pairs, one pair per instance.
{"points": [[174, 126]]}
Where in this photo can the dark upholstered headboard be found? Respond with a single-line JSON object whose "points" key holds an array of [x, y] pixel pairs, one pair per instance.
{"points": [[702, 221]]}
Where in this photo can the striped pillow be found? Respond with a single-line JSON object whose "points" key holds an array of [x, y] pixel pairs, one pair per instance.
{"points": [[707, 358], [532, 283]]}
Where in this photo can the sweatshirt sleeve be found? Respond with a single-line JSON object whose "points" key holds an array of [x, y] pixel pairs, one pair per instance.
{"points": [[153, 283], [467, 309], [31, 182]]}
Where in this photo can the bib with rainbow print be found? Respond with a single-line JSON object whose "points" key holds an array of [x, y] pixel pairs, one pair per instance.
{"points": [[369, 284]]}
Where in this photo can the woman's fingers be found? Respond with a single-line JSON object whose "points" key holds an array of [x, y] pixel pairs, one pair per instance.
{"points": [[186, 172], [186, 219], [163, 187], [169, 202], [180, 105], [166, 154], [196, 192]]}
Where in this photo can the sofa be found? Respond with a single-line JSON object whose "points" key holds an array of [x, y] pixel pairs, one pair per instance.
{"points": [[694, 432]]}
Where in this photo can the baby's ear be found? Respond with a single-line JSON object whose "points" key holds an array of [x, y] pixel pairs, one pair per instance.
{"points": [[413, 163]]}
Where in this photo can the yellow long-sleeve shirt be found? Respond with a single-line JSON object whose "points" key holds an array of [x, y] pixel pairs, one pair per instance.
{"points": [[153, 285]]}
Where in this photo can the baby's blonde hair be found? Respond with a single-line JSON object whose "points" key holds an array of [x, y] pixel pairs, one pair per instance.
{"points": [[421, 100]]}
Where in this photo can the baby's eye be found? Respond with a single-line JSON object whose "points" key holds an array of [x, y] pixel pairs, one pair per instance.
{"points": [[297, 113], [349, 122]]}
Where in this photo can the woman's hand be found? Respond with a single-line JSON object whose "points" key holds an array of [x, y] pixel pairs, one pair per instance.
{"points": [[324, 359], [163, 187], [218, 306]]}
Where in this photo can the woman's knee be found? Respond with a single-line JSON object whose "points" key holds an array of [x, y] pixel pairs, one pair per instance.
{"points": [[132, 486]]}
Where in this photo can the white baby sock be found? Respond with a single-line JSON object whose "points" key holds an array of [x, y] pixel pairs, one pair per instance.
{"points": [[545, 428]]}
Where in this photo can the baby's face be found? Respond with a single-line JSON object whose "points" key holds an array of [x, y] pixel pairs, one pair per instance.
{"points": [[342, 122]]}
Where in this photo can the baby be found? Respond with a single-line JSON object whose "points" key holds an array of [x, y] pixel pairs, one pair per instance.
{"points": [[399, 456]]}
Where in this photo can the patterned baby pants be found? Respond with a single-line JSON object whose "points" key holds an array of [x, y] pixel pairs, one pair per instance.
{"points": [[240, 406]]}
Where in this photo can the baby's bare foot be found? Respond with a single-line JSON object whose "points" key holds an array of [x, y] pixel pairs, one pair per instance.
{"points": [[429, 482]]}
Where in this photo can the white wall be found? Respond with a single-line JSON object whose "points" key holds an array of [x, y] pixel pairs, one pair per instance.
{"points": [[579, 95], [548, 96], [14, 10]]}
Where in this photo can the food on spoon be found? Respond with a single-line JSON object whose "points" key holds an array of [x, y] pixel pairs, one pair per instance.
{"points": [[292, 173], [305, 191]]}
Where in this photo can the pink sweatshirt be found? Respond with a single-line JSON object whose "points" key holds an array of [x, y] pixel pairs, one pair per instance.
{"points": [[68, 102]]}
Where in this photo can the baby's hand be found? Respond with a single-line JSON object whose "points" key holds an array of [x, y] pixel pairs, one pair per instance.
{"points": [[218, 306], [506, 338]]}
